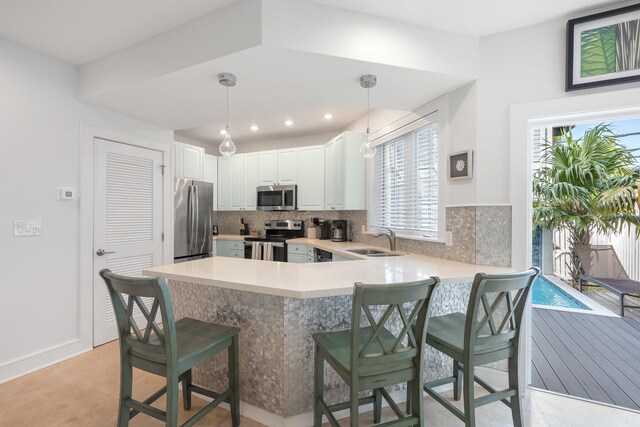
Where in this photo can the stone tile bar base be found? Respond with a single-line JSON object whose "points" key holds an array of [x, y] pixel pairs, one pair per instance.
{"points": [[276, 345]]}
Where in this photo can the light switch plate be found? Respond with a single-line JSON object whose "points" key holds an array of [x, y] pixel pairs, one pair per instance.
{"points": [[26, 228], [448, 238]]}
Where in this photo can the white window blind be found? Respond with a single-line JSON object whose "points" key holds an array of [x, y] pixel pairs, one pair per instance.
{"points": [[405, 183]]}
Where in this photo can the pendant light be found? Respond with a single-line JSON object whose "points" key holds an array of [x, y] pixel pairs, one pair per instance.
{"points": [[227, 147], [367, 149]]}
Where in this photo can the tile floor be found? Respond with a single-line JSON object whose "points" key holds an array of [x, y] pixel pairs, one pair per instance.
{"points": [[83, 391]]}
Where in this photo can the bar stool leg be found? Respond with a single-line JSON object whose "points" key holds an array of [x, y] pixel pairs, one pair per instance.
{"points": [[318, 388], [234, 380]]}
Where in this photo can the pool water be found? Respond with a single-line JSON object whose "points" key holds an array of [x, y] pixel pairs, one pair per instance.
{"points": [[546, 293]]}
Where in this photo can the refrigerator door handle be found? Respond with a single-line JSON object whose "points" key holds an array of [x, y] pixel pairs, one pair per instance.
{"points": [[197, 216], [189, 219]]}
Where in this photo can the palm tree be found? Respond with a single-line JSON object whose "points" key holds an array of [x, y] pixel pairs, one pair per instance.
{"points": [[586, 185]]}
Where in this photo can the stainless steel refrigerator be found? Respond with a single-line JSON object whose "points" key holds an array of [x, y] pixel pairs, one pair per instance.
{"points": [[193, 213]]}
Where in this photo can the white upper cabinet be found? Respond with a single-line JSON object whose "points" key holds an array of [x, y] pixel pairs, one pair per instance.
{"points": [[288, 166], [279, 167], [268, 167], [224, 183], [210, 174], [310, 167], [251, 180], [237, 182], [345, 173], [189, 161]]}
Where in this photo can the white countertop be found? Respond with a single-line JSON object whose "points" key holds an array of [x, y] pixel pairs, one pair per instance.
{"points": [[315, 280]]}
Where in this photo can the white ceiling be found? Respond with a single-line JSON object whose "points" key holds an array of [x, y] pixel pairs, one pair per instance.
{"points": [[471, 17], [79, 31], [192, 102]]}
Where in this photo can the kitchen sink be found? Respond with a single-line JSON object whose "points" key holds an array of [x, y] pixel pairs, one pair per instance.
{"points": [[373, 252]]}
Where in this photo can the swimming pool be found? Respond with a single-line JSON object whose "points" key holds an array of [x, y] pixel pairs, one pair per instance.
{"points": [[544, 292]]}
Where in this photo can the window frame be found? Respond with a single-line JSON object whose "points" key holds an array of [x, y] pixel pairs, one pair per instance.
{"points": [[436, 110]]}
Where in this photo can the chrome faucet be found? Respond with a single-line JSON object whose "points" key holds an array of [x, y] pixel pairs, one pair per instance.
{"points": [[391, 236]]}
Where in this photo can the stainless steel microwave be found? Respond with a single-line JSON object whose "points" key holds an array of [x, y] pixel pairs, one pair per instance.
{"points": [[277, 198]]}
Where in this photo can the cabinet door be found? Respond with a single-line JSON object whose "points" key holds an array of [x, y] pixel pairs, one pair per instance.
{"points": [[339, 165], [311, 178], [224, 183], [237, 182], [298, 258], [251, 180], [329, 176], [268, 167], [210, 174], [287, 167], [222, 248], [189, 161]]}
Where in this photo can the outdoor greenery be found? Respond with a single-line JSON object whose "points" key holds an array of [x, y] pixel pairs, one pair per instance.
{"points": [[586, 185]]}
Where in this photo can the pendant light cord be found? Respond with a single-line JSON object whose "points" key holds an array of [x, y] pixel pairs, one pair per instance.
{"points": [[368, 110], [227, 108]]}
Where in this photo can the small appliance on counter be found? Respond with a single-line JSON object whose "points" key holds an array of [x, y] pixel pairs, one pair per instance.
{"points": [[244, 231], [324, 232], [339, 230], [215, 230]]}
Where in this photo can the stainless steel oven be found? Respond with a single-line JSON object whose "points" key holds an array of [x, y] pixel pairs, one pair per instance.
{"points": [[277, 198]]}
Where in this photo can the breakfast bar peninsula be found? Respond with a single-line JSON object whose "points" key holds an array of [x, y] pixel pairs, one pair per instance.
{"points": [[278, 306]]}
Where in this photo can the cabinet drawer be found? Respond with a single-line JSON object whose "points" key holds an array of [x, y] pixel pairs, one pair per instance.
{"points": [[298, 258], [294, 248], [236, 244], [236, 254]]}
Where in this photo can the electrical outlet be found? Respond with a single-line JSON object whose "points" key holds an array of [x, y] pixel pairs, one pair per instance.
{"points": [[448, 238]]}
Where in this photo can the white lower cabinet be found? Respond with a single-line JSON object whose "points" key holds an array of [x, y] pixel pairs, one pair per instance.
{"points": [[230, 248], [298, 253]]}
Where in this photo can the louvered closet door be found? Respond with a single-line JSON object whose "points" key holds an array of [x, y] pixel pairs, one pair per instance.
{"points": [[127, 221]]}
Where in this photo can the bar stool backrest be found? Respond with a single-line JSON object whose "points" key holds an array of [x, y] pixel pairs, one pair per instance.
{"points": [[496, 308], [390, 299], [126, 293]]}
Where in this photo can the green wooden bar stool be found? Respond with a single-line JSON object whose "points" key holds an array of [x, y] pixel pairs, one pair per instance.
{"points": [[372, 357], [490, 332], [170, 352]]}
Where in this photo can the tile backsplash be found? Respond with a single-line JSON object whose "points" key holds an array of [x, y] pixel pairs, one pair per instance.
{"points": [[481, 234]]}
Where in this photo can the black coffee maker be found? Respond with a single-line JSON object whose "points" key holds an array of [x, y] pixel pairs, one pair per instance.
{"points": [[324, 229], [339, 230]]}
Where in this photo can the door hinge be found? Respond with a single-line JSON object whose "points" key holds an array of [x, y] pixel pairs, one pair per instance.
{"points": [[162, 237], [162, 168]]}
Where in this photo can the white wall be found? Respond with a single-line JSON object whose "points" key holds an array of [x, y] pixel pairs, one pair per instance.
{"points": [[40, 120], [517, 67]]}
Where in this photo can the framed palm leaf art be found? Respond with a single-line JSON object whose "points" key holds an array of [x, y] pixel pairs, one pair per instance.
{"points": [[604, 49]]}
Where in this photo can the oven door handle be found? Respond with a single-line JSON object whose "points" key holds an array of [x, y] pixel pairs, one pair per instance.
{"points": [[274, 244]]}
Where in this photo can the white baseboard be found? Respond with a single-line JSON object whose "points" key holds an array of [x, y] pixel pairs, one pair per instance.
{"points": [[35, 361]]}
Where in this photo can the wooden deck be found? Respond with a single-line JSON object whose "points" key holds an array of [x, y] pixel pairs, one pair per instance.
{"points": [[588, 356], [610, 301]]}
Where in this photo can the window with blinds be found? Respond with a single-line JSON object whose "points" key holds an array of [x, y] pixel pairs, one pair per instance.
{"points": [[405, 183]]}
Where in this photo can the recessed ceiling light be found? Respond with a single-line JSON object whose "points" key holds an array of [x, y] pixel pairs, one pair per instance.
{"points": [[288, 122], [254, 127], [223, 131], [328, 116]]}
